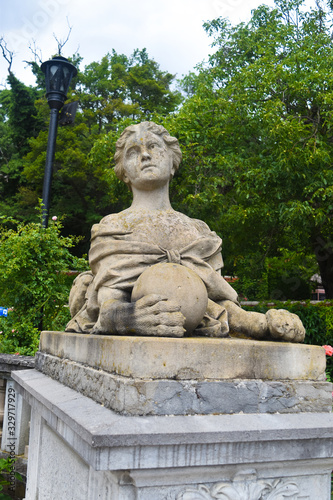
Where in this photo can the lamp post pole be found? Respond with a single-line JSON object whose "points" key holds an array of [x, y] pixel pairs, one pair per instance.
{"points": [[51, 142], [58, 74]]}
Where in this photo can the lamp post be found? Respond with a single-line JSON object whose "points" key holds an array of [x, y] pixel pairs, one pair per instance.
{"points": [[58, 75]]}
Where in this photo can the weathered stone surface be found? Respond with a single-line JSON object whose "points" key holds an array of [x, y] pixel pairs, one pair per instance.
{"points": [[283, 324], [9, 362], [130, 396], [189, 358]]}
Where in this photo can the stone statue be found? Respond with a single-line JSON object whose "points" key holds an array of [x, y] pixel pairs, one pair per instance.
{"points": [[149, 263]]}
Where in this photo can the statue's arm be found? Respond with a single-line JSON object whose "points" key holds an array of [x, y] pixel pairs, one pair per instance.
{"points": [[275, 324]]}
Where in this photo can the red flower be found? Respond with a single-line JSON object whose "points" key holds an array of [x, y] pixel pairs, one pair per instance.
{"points": [[328, 350]]}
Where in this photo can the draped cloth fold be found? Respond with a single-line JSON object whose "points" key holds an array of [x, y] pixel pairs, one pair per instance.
{"points": [[117, 259]]}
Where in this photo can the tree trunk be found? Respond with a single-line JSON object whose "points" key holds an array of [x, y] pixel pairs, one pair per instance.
{"points": [[323, 249]]}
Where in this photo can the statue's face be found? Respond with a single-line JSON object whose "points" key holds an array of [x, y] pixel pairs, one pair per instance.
{"points": [[147, 161]]}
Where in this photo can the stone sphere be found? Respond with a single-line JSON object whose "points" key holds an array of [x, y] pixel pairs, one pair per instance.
{"points": [[177, 283]]}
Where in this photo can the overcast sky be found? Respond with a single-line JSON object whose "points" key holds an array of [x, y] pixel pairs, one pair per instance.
{"points": [[171, 30]]}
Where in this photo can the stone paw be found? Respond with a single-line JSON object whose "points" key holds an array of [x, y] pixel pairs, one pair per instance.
{"points": [[284, 325]]}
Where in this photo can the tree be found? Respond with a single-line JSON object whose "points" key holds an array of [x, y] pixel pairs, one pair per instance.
{"points": [[18, 123], [258, 131], [120, 86]]}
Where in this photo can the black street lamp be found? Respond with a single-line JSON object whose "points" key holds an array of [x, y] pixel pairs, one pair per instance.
{"points": [[58, 75]]}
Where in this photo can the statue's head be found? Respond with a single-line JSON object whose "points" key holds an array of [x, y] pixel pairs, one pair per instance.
{"points": [[141, 128]]}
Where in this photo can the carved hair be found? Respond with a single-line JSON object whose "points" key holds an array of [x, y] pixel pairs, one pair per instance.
{"points": [[170, 141]]}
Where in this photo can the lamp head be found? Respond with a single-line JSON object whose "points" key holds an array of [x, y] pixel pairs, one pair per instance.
{"points": [[58, 75]]}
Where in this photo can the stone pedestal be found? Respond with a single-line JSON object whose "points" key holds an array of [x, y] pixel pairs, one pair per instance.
{"points": [[277, 444], [166, 376]]}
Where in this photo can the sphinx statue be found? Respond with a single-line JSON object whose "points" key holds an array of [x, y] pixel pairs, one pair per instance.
{"points": [[155, 271]]}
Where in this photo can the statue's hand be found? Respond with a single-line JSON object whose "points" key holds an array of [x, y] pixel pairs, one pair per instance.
{"points": [[284, 325], [155, 315], [152, 315]]}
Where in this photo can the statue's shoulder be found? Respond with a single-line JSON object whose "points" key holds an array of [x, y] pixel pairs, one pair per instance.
{"points": [[198, 224], [112, 223], [112, 219]]}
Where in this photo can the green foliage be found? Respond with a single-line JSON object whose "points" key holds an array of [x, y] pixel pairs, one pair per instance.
{"points": [[318, 322], [35, 284], [119, 86], [22, 113], [18, 336], [6, 467], [252, 277], [19, 122], [287, 276]]}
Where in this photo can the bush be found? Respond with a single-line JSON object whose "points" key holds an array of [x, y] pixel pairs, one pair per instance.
{"points": [[35, 284]]}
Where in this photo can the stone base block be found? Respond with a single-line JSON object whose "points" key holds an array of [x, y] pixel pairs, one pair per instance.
{"points": [[199, 358], [80, 450], [133, 396]]}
